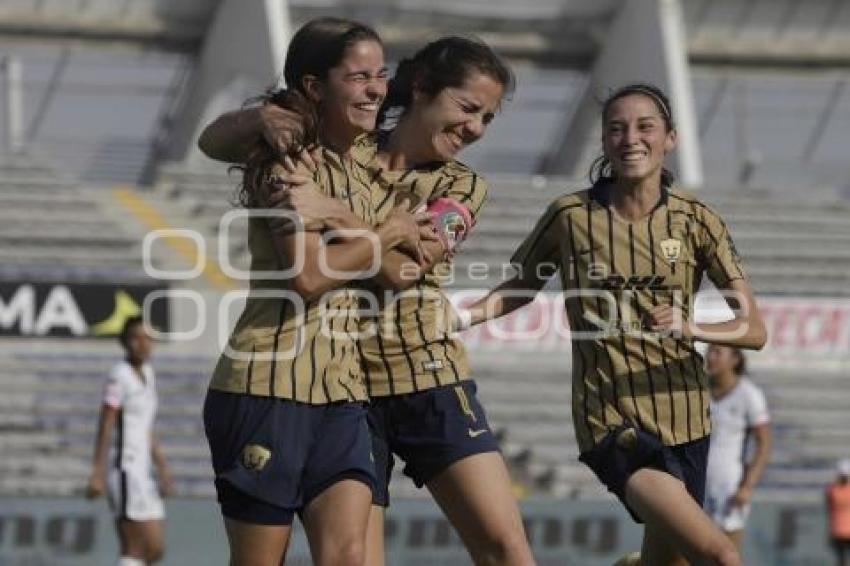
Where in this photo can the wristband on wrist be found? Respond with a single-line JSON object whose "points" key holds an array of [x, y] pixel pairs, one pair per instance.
{"points": [[453, 221], [464, 319]]}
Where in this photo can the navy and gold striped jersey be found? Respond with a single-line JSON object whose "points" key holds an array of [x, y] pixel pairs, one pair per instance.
{"points": [[621, 373], [411, 347], [281, 348]]}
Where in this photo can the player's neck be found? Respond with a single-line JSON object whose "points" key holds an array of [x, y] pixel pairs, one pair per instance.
{"points": [[403, 149], [633, 201], [721, 384], [338, 142]]}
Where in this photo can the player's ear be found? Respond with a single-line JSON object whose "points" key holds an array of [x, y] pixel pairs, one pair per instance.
{"points": [[670, 141], [314, 88]]}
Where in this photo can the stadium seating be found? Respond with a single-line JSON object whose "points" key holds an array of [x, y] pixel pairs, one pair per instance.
{"points": [[53, 229], [50, 399], [777, 136]]}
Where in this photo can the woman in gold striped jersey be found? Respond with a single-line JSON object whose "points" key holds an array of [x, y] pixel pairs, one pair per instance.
{"points": [[424, 406], [285, 415], [631, 252]]}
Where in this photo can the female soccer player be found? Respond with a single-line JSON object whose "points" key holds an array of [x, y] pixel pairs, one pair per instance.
{"points": [[631, 251], [424, 408], [738, 413], [123, 468], [284, 414]]}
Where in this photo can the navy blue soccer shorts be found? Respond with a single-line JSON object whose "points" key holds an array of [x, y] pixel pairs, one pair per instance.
{"points": [[625, 450], [429, 431], [273, 456]]}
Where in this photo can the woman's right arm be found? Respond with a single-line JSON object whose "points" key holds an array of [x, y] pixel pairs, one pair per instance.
{"points": [[324, 265], [511, 295], [97, 480], [233, 136], [535, 263]]}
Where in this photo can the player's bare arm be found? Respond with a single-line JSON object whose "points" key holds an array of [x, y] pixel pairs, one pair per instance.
{"points": [[232, 136], [163, 472], [763, 439], [745, 330], [511, 295], [97, 479], [401, 230]]}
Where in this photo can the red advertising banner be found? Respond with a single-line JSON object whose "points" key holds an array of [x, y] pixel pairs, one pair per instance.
{"points": [[799, 327]]}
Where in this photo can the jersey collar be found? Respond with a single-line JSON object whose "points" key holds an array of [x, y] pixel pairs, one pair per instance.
{"points": [[600, 193]]}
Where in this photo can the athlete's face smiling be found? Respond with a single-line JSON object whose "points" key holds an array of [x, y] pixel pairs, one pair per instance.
{"points": [[457, 116], [635, 138], [353, 91]]}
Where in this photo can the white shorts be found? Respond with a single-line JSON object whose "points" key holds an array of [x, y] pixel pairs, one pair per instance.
{"points": [[728, 517], [134, 496]]}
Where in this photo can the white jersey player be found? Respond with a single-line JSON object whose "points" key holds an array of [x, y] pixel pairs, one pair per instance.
{"points": [[122, 463], [738, 413]]}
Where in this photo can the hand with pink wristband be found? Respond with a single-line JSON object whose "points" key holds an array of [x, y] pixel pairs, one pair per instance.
{"points": [[452, 220]]}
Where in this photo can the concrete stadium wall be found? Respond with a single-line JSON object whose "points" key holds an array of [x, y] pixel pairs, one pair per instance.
{"points": [[75, 532]]}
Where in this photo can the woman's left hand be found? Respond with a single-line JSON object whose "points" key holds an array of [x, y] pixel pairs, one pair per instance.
{"points": [[666, 319], [166, 482]]}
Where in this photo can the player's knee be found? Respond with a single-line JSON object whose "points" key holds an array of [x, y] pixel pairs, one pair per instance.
{"points": [[349, 553], [507, 549]]}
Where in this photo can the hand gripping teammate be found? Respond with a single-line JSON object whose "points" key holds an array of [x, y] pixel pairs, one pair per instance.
{"points": [[284, 414]]}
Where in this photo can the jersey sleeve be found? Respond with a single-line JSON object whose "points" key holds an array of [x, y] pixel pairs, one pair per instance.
{"points": [[717, 251], [757, 413], [114, 390], [538, 254], [470, 190]]}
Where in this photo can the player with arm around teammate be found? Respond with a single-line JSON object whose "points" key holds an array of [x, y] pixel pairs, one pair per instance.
{"points": [[284, 414], [125, 448]]}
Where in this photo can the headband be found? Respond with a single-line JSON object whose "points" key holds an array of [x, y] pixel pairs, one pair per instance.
{"points": [[647, 92]]}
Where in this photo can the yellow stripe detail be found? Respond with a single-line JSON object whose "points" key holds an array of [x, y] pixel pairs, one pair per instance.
{"points": [[464, 403], [148, 215]]}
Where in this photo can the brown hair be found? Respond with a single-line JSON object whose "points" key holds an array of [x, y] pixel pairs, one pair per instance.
{"points": [[444, 63], [316, 48]]}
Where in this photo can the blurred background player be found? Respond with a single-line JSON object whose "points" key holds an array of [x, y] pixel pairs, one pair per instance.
{"points": [[738, 414], [838, 511], [640, 395], [122, 465]]}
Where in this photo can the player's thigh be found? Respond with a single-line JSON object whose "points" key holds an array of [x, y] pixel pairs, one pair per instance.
{"points": [[256, 545], [375, 537], [475, 494], [336, 521], [675, 523]]}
